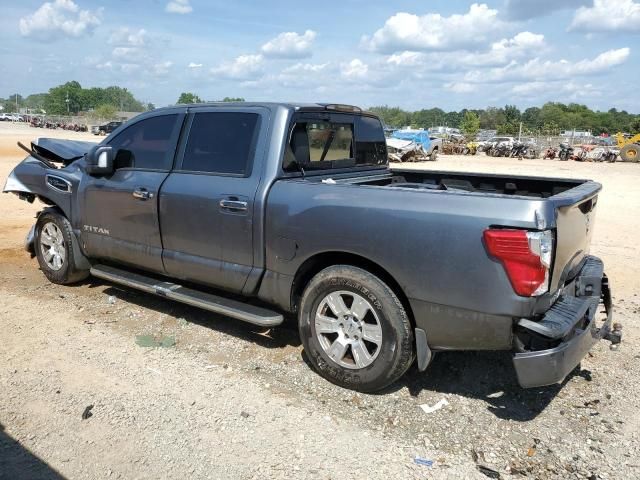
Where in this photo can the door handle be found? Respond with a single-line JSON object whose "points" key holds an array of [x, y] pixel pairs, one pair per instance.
{"points": [[142, 193], [233, 205]]}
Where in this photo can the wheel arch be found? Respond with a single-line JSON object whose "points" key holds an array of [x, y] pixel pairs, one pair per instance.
{"points": [[81, 262], [318, 262]]}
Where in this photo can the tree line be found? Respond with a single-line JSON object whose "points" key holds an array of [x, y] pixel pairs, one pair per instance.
{"points": [[550, 119], [71, 98]]}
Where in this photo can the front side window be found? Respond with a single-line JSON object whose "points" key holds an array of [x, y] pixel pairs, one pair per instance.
{"points": [[222, 142], [147, 144]]}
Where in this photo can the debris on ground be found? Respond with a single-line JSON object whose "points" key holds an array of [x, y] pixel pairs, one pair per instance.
{"points": [[87, 412], [423, 461], [149, 341], [489, 472], [441, 403]]}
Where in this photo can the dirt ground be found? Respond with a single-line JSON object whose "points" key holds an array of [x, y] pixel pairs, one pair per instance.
{"points": [[232, 401]]}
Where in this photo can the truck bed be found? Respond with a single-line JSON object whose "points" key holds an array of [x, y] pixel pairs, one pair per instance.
{"points": [[477, 183]]}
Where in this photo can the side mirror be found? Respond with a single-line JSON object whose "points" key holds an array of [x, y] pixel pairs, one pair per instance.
{"points": [[99, 160]]}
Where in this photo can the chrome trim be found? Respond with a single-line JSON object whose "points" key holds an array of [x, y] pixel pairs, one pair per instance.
{"points": [[64, 180]]}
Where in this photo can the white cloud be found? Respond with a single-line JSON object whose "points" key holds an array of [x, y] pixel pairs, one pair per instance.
{"points": [[539, 70], [194, 65], [61, 17], [302, 75], [290, 45], [460, 87], [523, 42], [542, 91], [179, 6], [608, 16], [305, 68], [356, 69], [407, 59], [405, 31], [244, 67], [125, 36], [161, 69]]}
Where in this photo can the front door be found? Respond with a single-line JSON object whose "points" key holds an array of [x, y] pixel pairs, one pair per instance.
{"points": [[206, 204], [120, 211]]}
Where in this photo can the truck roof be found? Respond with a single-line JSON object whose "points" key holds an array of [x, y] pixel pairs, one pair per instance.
{"points": [[288, 105]]}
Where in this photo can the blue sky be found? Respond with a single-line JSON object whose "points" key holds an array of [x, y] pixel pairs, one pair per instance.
{"points": [[414, 54]]}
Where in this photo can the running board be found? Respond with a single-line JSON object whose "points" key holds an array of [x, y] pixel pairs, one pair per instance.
{"points": [[207, 301]]}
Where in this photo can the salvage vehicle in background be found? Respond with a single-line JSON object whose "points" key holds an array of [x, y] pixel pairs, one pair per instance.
{"points": [[105, 129], [413, 146], [629, 146], [258, 210]]}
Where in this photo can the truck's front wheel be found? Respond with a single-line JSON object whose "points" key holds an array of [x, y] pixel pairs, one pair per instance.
{"points": [[354, 329], [54, 248]]}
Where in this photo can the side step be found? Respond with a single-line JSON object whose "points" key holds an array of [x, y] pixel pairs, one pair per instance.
{"points": [[207, 301]]}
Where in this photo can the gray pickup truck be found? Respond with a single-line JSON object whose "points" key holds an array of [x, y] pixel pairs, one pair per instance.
{"points": [[259, 210]]}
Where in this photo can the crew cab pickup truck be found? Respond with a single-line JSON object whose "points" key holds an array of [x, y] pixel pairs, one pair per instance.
{"points": [[259, 210]]}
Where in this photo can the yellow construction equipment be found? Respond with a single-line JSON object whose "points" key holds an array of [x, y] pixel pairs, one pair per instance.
{"points": [[629, 147]]}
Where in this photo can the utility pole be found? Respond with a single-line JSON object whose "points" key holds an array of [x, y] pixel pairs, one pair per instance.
{"points": [[520, 132], [67, 102]]}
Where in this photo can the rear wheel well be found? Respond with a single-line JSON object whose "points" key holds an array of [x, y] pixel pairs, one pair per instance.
{"points": [[319, 262]]}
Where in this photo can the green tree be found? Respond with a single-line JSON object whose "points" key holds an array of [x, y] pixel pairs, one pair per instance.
{"points": [[392, 116], [470, 124], [64, 99], [188, 97], [491, 118], [35, 101], [233, 99], [105, 111]]}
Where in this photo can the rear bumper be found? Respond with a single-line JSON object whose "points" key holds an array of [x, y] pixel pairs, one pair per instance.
{"points": [[546, 367]]}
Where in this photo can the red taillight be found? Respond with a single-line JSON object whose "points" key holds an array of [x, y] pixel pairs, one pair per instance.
{"points": [[526, 257]]}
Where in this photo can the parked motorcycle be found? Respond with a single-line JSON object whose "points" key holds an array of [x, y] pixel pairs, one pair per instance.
{"points": [[519, 150], [566, 151], [470, 148], [502, 150], [550, 153]]}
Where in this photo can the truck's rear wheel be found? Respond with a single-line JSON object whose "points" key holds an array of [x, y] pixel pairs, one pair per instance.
{"points": [[54, 249], [354, 329], [630, 153]]}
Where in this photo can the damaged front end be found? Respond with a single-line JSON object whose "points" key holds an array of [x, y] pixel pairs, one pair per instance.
{"points": [[51, 173], [48, 171]]}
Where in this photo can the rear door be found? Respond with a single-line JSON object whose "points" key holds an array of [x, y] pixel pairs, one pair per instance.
{"points": [[207, 203], [120, 211]]}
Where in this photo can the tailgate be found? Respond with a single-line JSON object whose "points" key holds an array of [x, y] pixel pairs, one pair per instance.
{"points": [[575, 215]]}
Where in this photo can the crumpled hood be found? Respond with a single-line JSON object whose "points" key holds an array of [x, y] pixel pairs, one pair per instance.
{"points": [[59, 150]]}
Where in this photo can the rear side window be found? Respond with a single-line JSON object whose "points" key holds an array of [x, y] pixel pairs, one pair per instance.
{"points": [[222, 142], [371, 145], [147, 144], [329, 141]]}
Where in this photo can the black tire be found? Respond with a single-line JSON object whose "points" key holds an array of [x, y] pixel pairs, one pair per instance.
{"points": [[630, 153], [395, 352], [67, 272], [434, 154]]}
